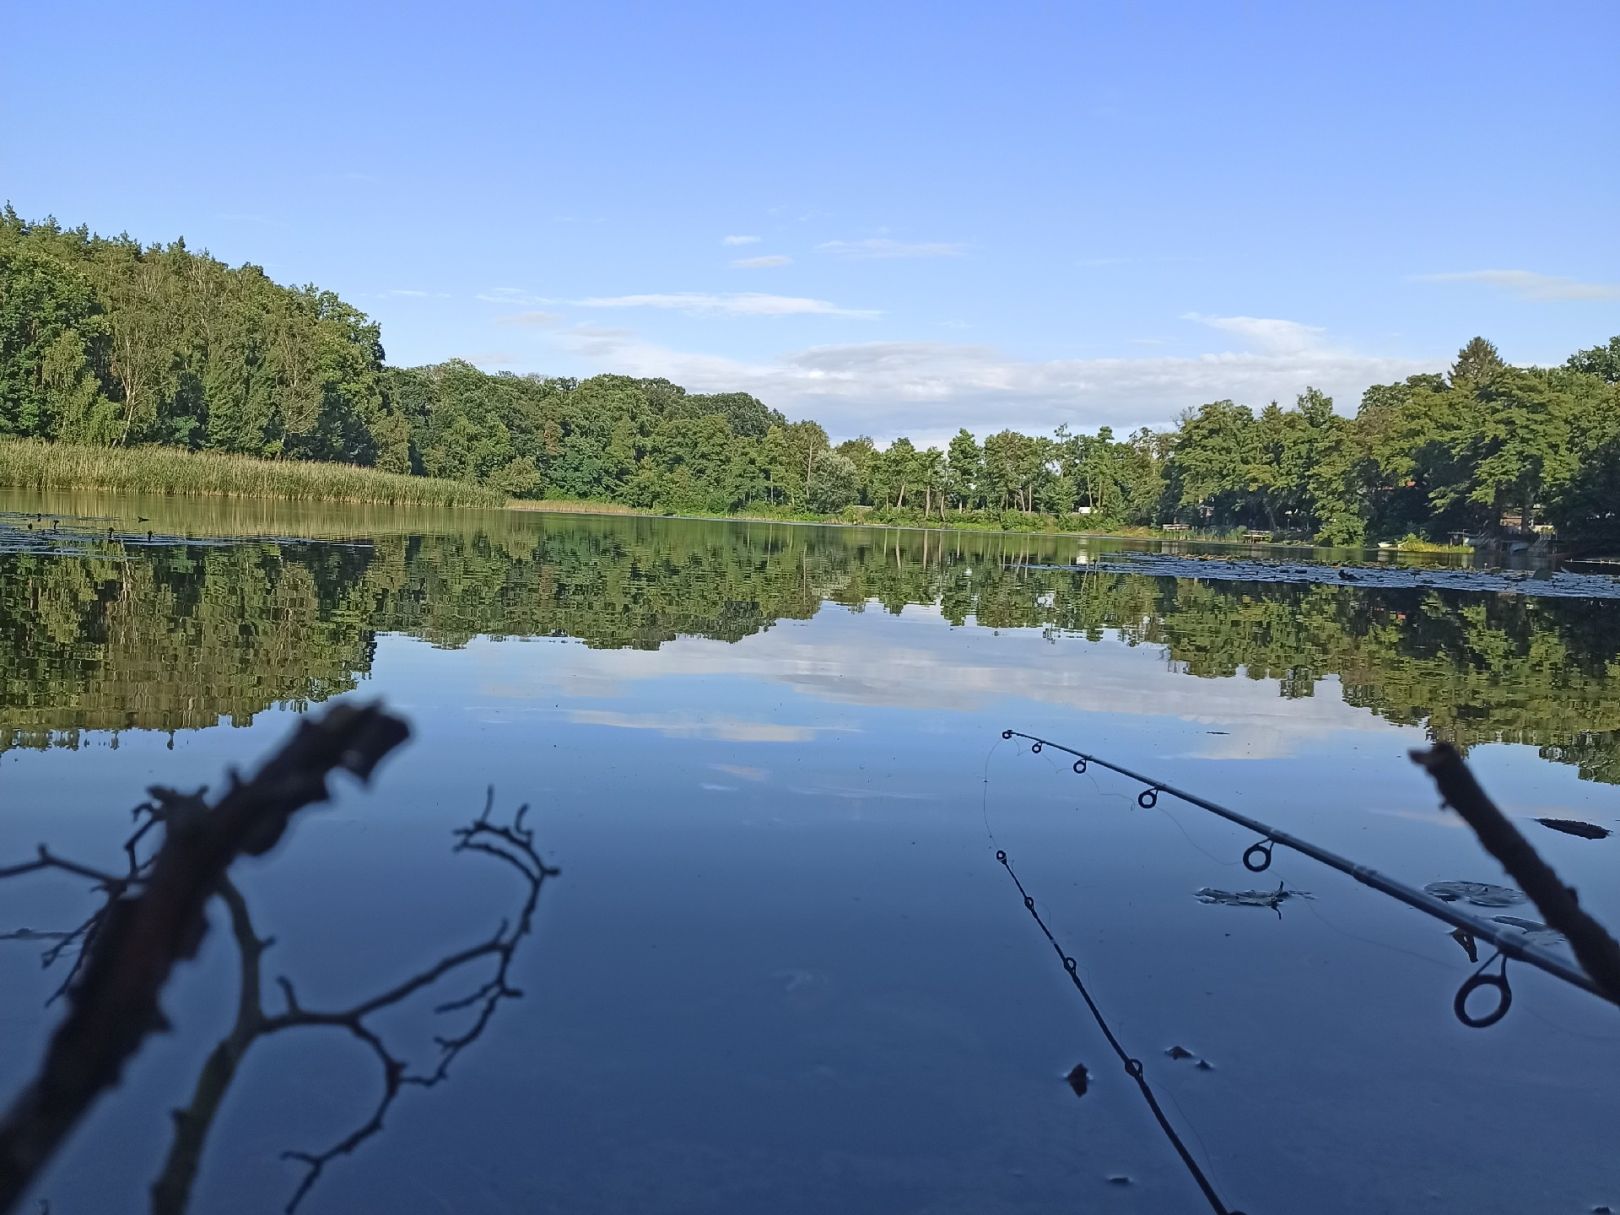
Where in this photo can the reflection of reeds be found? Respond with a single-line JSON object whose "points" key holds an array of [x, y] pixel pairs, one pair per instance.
{"points": [[162, 470]]}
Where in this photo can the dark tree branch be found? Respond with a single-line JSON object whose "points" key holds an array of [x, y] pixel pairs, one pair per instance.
{"points": [[171, 1192], [515, 847], [155, 918], [47, 861], [1596, 951]]}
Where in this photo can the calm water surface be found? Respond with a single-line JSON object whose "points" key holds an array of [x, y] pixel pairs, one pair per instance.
{"points": [[782, 970]]}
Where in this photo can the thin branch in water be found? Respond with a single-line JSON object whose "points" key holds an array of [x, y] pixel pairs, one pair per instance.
{"points": [[516, 849]]}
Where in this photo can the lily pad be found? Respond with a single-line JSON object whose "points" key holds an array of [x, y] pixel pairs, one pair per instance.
{"points": [[1537, 932], [1480, 894]]}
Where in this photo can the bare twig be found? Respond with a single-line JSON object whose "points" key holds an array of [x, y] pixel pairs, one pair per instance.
{"points": [[155, 918], [1596, 951], [512, 844]]}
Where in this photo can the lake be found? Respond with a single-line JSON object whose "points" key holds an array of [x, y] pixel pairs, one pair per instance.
{"points": [[781, 969]]}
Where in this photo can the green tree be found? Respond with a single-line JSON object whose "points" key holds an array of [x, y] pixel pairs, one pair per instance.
{"points": [[1212, 463], [964, 469], [1600, 361], [1477, 364], [792, 450]]}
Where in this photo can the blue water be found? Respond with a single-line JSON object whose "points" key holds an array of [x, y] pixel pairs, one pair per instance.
{"points": [[782, 971]]}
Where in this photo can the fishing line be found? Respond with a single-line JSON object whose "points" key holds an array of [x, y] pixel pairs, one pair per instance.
{"points": [[1196, 846], [984, 801], [1438, 963]]}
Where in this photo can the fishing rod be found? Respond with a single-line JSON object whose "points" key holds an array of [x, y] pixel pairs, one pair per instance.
{"points": [[1133, 1066], [1257, 859]]}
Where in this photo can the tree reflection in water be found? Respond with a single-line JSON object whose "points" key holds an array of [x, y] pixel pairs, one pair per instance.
{"points": [[181, 635]]}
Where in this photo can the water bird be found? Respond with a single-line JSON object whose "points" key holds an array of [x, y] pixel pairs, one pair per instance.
{"points": [[1348, 576]]}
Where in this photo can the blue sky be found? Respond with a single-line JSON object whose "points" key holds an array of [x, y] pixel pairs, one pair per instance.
{"points": [[896, 218]]}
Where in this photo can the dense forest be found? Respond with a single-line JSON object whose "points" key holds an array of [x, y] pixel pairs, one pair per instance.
{"points": [[194, 633], [116, 343]]}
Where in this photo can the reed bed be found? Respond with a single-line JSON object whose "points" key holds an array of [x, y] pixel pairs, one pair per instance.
{"points": [[32, 464], [570, 506]]}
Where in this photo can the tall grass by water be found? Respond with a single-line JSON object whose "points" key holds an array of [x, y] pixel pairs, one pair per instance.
{"points": [[31, 464]]}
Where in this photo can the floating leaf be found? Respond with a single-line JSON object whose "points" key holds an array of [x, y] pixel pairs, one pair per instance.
{"points": [[1179, 1052], [1574, 826], [1270, 899], [1466, 940], [1480, 894], [1079, 1079], [1537, 932]]}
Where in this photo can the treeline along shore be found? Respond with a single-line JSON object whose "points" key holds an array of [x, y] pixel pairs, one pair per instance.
{"points": [[125, 357]]}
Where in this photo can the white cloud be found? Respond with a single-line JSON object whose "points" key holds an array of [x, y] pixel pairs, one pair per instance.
{"points": [[405, 293], [900, 663], [882, 248], [512, 297], [928, 389], [739, 240], [534, 320], [1267, 334], [764, 262], [719, 729], [742, 303], [1527, 284], [741, 772]]}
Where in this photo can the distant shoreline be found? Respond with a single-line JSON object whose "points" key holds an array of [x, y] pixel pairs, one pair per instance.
{"points": [[559, 506], [37, 466]]}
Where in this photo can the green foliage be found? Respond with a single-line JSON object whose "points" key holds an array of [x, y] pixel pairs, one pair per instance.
{"points": [[114, 343], [1601, 361]]}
